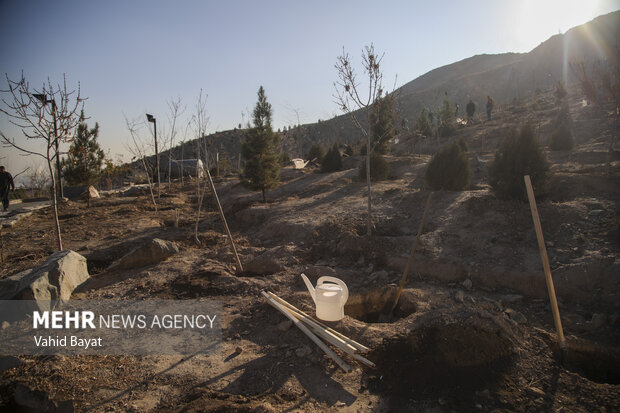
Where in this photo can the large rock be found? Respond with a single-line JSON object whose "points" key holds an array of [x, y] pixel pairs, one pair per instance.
{"points": [[152, 252], [55, 279], [91, 192], [135, 190]]}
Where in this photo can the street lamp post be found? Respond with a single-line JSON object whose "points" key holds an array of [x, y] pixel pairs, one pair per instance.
{"points": [[45, 101], [152, 119]]}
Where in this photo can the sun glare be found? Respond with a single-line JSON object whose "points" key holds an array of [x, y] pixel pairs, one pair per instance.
{"points": [[540, 20]]}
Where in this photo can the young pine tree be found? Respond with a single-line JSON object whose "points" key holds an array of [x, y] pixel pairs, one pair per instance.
{"points": [[449, 169], [332, 161], [518, 156], [262, 167], [316, 152], [423, 125], [85, 159], [446, 119]]}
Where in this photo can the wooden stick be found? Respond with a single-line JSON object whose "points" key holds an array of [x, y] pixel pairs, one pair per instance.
{"points": [[410, 260], [307, 332], [545, 261], [336, 341], [361, 348], [329, 337], [219, 207], [326, 335]]}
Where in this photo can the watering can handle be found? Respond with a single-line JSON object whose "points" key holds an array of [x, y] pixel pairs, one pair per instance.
{"points": [[335, 281]]}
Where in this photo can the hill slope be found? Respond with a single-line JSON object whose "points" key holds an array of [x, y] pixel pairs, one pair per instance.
{"points": [[506, 77]]}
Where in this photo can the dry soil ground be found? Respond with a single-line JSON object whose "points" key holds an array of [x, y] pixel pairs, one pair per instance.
{"points": [[474, 333]]}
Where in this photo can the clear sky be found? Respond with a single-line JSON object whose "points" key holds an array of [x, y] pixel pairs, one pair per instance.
{"points": [[131, 56]]}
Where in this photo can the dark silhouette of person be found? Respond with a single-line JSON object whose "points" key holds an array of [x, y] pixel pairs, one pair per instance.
{"points": [[6, 185], [490, 104], [470, 109]]}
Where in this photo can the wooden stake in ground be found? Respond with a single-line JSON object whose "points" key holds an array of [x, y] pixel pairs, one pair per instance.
{"points": [[545, 262], [410, 260], [219, 208]]}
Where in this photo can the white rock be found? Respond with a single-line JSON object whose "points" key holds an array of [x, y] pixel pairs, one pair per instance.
{"points": [[467, 284], [55, 279], [303, 351]]}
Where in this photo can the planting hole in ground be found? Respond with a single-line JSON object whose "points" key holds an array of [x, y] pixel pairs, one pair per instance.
{"points": [[95, 266], [439, 360], [374, 306], [594, 362]]}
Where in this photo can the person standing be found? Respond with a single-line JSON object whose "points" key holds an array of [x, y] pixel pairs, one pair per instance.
{"points": [[6, 185], [470, 109], [490, 104]]}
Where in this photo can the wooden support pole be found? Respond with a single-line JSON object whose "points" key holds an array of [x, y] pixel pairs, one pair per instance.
{"points": [[307, 332], [410, 260], [361, 348], [545, 262], [326, 335], [230, 238]]}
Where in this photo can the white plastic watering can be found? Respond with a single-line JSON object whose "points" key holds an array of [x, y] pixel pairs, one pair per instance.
{"points": [[330, 296]]}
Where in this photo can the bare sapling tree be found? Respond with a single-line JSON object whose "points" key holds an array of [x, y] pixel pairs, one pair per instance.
{"points": [[358, 98], [175, 111], [199, 122], [138, 149], [47, 116]]}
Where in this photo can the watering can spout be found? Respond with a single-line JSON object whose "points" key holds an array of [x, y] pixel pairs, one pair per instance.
{"points": [[310, 287]]}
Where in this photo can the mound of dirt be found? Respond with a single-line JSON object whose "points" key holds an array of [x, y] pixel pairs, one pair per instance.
{"points": [[440, 360]]}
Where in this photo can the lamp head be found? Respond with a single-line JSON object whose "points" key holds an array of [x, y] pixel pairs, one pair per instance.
{"points": [[40, 97], [150, 118]]}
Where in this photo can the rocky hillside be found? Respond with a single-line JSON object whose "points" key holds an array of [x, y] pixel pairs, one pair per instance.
{"points": [[510, 78]]}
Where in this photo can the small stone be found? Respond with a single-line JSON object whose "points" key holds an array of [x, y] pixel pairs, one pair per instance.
{"points": [[511, 298], [515, 316], [595, 213], [484, 393], [467, 284], [303, 351], [598, 321], [535, 391], [238, 350], [378, 274], [285, 325], [459, 296]]}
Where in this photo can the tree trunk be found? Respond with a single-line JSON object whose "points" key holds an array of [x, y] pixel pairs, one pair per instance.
{"points": [[369, 220], [199, 198], [54, 203]]}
